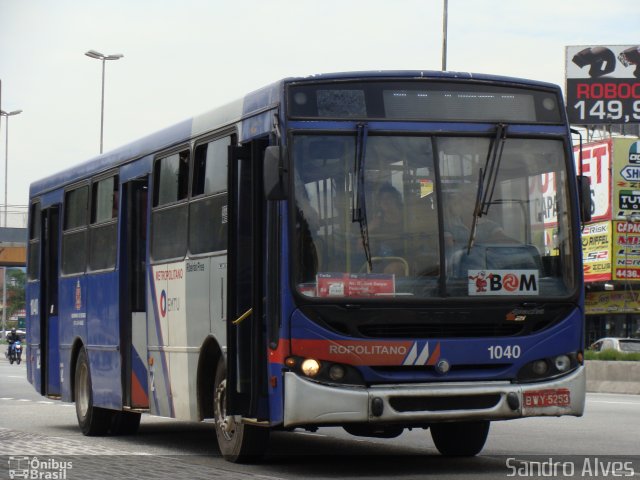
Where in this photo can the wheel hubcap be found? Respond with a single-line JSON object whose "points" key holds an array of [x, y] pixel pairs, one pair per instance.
{"points": [[225, 423], [82, 392]]}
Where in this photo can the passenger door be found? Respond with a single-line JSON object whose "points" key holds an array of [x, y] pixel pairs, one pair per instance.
{"points": [[246, 346], [49, 331], [133, 320]]}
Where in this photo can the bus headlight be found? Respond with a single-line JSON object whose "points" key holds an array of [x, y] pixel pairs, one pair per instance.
{"points": [[324, 371], [336, 372], [310, 367], [539, 367], [545, 368], [562, 363]]}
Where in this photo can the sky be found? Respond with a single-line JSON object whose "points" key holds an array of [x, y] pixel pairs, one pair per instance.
{"points": [[183, 57]]}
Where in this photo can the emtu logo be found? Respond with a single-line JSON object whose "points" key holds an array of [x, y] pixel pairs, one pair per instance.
{"points": [[634, 153], [163, 304]]}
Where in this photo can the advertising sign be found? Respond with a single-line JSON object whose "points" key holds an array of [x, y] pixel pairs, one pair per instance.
{"points": [[596, 164], [626, 250], [503, 282], [603, 84], [596, 252], [354, 285], [601, 303], [626, 177]]}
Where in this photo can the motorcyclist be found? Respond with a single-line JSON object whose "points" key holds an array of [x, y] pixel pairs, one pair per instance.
{"points": [[12, 338]]}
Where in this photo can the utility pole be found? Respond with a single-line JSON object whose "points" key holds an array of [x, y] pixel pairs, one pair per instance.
{"points": [[444, 34]]}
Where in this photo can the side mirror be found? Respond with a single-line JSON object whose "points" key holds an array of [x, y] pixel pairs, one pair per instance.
{"points": [[584, 192], [275, 174]]}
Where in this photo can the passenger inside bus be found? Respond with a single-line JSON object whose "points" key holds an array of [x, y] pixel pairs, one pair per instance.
{"points": [[386, 232], [458, 221]]}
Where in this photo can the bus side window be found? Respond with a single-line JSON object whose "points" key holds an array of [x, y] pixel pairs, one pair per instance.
{"points": [[33, 267], [104, 224], [74, 245], [208, 208], [169, 217]]}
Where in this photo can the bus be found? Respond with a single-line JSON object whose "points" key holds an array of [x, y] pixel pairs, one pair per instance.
{"points": [[374, 251]]}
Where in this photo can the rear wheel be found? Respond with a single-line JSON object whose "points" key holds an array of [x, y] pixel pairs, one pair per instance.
{"points": [[92, 420], [460, 439], [238, 442]]}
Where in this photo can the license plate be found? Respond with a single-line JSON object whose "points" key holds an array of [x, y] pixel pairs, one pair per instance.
{"points": [[553, 397]]}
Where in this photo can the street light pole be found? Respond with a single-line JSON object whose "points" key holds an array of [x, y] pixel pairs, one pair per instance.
{"points": [[6, 170], [445, 14], [103, 58], [6, 158]]}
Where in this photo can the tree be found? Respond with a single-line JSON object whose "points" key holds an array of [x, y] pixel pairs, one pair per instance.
{"points": [[15, 291]]}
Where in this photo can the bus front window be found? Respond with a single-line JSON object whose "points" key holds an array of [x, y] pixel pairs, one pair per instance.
{"points": [[369, 227]]}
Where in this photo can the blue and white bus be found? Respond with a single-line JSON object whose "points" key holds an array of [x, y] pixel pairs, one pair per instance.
{"points": [[376, 251]]}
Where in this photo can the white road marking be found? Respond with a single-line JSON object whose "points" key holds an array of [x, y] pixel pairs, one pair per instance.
{"points": [[312, 434]]}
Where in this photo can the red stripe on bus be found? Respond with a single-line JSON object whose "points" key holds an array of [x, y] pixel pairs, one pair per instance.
{"points": [[139, 397], [279, 354], [353, 352], [435, 356]]}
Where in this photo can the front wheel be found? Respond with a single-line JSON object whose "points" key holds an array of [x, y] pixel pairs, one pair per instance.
{"points": [[460, 439], [238, 442], [92, 420]]}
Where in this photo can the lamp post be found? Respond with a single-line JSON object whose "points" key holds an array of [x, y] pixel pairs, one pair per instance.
{"points": [[6, 170], [445, 15], [6, 156], [104, 58]]}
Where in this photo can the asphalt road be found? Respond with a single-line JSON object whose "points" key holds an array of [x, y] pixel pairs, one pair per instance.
{"points": [[35, 427]]}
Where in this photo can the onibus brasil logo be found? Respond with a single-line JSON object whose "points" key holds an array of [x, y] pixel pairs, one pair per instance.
{"points": [[36, 468]]}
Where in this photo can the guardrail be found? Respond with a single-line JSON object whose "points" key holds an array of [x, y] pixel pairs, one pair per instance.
{"points": [[613, 377]]}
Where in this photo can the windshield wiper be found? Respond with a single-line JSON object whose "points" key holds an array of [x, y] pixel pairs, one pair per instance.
{"points": [[359, 213], [487, 180]]}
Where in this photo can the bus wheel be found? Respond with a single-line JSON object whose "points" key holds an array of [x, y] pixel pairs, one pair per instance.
{"points": [[92, 420], [238, 442], [460, 439], [125, 423]]}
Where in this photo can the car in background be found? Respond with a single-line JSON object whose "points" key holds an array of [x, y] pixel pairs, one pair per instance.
{"points": [[626, 345]]}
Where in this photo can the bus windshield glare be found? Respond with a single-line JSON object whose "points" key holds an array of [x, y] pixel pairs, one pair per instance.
{"points": [[384, 216]]}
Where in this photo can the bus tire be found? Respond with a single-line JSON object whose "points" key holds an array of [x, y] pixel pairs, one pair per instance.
{"points": [[238, 442], [460, 439], [125, 423], [93, 421]]}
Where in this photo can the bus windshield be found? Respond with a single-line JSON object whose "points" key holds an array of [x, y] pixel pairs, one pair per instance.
{"points": [[391, 216]]}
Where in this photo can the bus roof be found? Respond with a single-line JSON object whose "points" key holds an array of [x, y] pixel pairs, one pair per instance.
{"points": [[252, 104]]}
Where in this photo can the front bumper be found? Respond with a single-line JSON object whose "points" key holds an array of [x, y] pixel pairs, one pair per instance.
{"points": [[310, 403]]}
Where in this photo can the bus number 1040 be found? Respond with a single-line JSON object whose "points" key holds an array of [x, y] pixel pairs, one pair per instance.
{"points": [[496, 352]]}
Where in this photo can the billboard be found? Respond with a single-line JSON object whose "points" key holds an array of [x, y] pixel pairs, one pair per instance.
{"points": [[596, 252], [603, 84], [602, 303], [626, 177], [626, 250], [596, 164]]}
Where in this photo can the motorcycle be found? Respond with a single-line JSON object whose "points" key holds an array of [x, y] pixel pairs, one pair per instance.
{"points": [[15, 352]]}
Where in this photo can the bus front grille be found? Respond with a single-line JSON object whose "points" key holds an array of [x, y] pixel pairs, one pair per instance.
{"points": [[435, 404]]}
